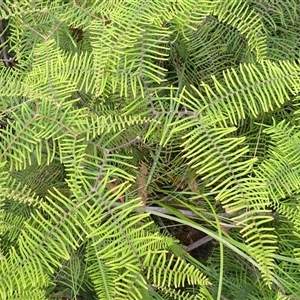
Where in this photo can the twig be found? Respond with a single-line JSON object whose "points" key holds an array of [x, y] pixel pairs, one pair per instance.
{"points": [[4, 54], [198, 243]]}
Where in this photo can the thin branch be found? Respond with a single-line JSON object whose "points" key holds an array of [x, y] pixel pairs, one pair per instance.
{"points": [[4, 54], [198, 243]]}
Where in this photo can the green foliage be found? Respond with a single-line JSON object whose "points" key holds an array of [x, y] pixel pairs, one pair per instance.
{"points": [[120, 117]]}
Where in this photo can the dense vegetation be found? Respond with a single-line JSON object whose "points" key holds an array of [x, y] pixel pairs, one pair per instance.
{"points": [[149, 149]]}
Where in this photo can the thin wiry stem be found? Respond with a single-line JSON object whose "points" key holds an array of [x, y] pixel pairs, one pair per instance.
{"points": [[4, 54]]}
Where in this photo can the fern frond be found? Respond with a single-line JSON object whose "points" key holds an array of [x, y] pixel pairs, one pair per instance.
{"points": [[280, 169], [189, 14], [117, 62], [56, 75], [17, 280], [222, 167], [241, 92], [241, 16], [160, 266]]}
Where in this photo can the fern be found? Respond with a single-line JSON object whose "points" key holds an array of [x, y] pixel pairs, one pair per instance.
{"points": [[117, 115]]}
